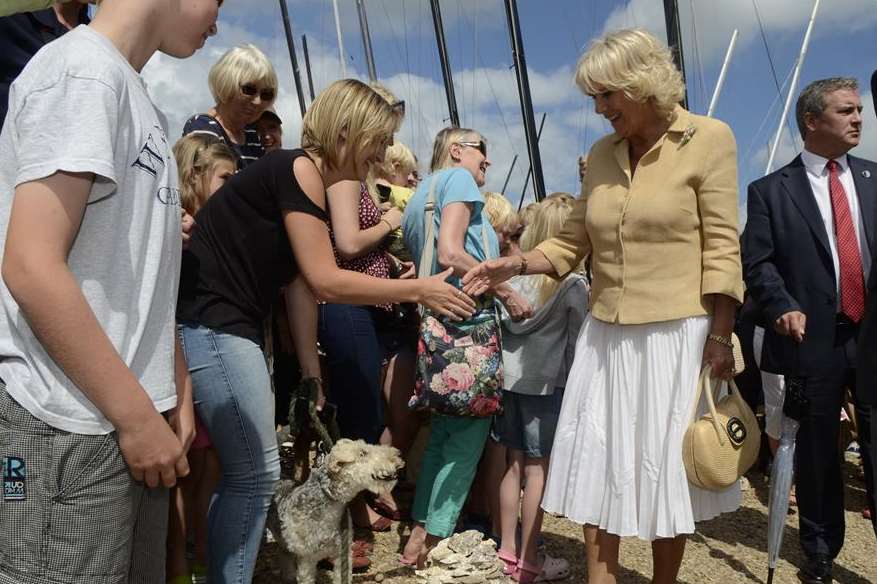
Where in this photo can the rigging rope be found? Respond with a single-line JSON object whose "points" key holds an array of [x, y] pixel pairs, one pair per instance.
{"points": [[772, 68]]}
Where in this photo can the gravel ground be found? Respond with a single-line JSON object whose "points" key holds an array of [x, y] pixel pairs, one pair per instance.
{"points": [[728, 549]]}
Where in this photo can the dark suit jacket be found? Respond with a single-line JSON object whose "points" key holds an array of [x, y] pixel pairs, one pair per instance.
{"points": [[867, 347], [787, 261]]}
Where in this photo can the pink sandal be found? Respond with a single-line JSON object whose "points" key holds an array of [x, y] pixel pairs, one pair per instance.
{"points": [[551, 569], [509, 559]]}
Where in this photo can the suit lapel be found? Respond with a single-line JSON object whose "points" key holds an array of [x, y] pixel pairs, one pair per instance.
{"points": [[797, 186], [865, 179]]}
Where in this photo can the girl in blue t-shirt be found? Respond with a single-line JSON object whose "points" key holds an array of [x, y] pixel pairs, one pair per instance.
{"points": [[459, 163]]}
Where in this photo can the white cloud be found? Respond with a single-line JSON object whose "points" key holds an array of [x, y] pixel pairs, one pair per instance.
{"points": [[488, 98], [714, 20]]}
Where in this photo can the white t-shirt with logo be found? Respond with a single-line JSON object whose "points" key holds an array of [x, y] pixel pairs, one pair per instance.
{"points": [[79, 106]]}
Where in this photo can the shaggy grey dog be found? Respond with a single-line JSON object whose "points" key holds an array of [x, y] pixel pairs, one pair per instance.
{"points": [[309, 521]]}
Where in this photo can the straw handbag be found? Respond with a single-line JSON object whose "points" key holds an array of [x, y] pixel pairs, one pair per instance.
{"points": [[723, 443]]}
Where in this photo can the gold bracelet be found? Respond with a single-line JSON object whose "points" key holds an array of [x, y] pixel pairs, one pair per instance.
{"points": [[523, 269], [721, 340], [390, 225]]}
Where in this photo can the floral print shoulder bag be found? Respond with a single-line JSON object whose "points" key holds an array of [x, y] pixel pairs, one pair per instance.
{"points": [[459, 364]]}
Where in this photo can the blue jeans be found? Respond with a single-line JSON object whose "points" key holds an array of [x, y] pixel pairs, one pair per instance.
{"points": [[356, 345], [232, 394]]}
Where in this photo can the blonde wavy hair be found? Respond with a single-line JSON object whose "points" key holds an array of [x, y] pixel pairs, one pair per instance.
{"points": [[635, 62], [527, 213], [351, 112], [499, 211], [546, 222], [441, 155], [398, 154], [239, 66], [196, 154]]}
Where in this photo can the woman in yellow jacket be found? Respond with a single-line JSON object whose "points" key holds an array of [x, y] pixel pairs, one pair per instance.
{"points": [[658, 215]]}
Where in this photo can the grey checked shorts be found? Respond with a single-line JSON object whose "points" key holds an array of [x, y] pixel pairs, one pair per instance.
{"points": [[70, 510]]}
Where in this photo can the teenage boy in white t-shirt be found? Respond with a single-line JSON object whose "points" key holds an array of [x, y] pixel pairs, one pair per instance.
{"points": [[95, 401]]}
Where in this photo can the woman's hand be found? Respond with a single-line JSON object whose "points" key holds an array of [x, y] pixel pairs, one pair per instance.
{"points": [[516, 305], [187, 226], [407, 270], [393, 217], [442, 298], [720, 358], [490, 274]]}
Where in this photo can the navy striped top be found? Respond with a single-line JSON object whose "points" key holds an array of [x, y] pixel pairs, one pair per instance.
{"points": [[250, 151]]}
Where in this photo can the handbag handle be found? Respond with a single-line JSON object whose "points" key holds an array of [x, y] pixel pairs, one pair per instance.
{"points": [[424, 270], [705, 380]]}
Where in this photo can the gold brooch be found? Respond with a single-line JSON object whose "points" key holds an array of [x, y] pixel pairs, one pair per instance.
{"points": [[686, 136]]}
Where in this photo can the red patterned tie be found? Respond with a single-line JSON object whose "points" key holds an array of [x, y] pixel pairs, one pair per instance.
{"points": [[852, 279]]}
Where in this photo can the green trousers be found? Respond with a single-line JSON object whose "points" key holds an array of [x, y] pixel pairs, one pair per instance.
{"points": [[447, 469]]}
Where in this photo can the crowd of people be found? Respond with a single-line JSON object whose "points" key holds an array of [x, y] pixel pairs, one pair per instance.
{"points": [[162, 299]]}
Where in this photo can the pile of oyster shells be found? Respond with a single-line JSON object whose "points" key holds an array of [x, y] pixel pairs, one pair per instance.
{"points": [[463, 558]]}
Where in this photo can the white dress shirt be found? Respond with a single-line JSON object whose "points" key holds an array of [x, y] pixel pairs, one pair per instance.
{"points": [[817, 174]]}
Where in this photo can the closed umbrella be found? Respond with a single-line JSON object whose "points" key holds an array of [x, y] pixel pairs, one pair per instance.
{"points": [[794, 409]]}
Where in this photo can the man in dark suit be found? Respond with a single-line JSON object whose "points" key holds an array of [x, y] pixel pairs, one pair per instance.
{"points": [[807, 254]]}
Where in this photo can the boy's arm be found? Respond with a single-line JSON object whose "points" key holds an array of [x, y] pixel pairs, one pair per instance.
{"points": [[45, 218], [182, 417]]}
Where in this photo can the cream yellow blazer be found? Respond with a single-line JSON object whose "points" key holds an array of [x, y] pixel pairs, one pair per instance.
{"points": [[665, 238]]}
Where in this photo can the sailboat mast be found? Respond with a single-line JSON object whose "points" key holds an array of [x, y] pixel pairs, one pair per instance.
{"points": [[674, 40], [290, 43], [340, 39], [366, 41], [722, 73], [304, 48], [446, 66], [530, 170], [792, 87], [511, 8]]}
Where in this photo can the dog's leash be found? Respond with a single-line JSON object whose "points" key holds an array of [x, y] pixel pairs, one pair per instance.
{"points": [[303, 413]]}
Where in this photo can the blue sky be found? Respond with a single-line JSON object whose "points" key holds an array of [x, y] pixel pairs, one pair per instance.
{"points": [[555, 32]]}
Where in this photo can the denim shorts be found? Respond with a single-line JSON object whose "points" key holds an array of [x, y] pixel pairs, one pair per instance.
{"points": [[528, 422]]}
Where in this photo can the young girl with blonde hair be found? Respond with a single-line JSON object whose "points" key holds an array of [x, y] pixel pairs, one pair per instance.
{"points": [[537, 355], [204, 163]]}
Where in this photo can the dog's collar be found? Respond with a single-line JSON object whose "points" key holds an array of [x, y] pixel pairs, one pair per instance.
{"points": [[326, 487]]}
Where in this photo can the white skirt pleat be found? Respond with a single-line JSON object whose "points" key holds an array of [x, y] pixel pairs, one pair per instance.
{"points": [[617, 457]]}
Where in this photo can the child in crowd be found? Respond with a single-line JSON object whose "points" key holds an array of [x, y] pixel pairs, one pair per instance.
{"points": [[270, 129], [537, 355], [505, 222], [95, 399], [204, 164], [390, 181]]}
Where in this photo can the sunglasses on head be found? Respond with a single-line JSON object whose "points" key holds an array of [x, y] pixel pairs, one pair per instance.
{"points": [[251, 90], [399, 107], [481, 145]]}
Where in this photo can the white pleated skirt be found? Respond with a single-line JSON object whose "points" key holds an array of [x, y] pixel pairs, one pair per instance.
{"points": [[617, 457]]}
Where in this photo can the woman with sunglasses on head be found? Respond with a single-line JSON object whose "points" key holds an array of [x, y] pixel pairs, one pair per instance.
{"points": [[360, 340], [244, 85], [463, 238], [265, 226]]}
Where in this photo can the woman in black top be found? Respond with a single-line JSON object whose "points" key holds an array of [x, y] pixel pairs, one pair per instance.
{"points": [[265, 226]]}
